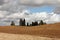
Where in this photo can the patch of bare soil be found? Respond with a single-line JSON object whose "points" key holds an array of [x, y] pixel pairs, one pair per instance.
{"points": [[49, 30], [6, 36]]}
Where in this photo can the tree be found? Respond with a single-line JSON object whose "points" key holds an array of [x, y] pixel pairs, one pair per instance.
{"points": [[27, 24], [12, 23], [41, 22], [36, 23], [22, 22], [45, 23]]}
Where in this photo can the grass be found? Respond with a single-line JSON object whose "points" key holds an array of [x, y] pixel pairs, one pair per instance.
{"points": [[49, 30]]}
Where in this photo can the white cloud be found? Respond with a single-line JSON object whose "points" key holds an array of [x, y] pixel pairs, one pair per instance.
{"points": [[46, 17], [3, 13], [12, 10]]}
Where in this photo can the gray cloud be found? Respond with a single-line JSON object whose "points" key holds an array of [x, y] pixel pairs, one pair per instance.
{"points": [[39, 2], [12, 10], [16, 5], [57, 10], [1, 2], [12, 6]]}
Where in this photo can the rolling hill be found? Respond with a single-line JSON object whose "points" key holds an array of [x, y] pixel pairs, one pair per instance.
{"points": [[48, 30]]}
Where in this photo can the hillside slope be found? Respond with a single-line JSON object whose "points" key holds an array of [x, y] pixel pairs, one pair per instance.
{"points": [[23, 37], [49, 30]]}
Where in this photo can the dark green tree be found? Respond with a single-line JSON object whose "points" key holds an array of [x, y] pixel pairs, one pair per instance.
{"points": [[41, 22], [45, 23], [12, 23], [20, 22], [27, 24]]}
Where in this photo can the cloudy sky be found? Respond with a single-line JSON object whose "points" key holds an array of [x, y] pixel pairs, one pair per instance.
{"points": [[31, 10]]}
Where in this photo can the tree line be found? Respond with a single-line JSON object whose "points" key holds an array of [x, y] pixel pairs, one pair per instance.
{"points": [[23, 23]]}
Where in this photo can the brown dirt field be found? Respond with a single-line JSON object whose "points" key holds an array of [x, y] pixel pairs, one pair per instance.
{"points": [[6, 36], [50, 30]]}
